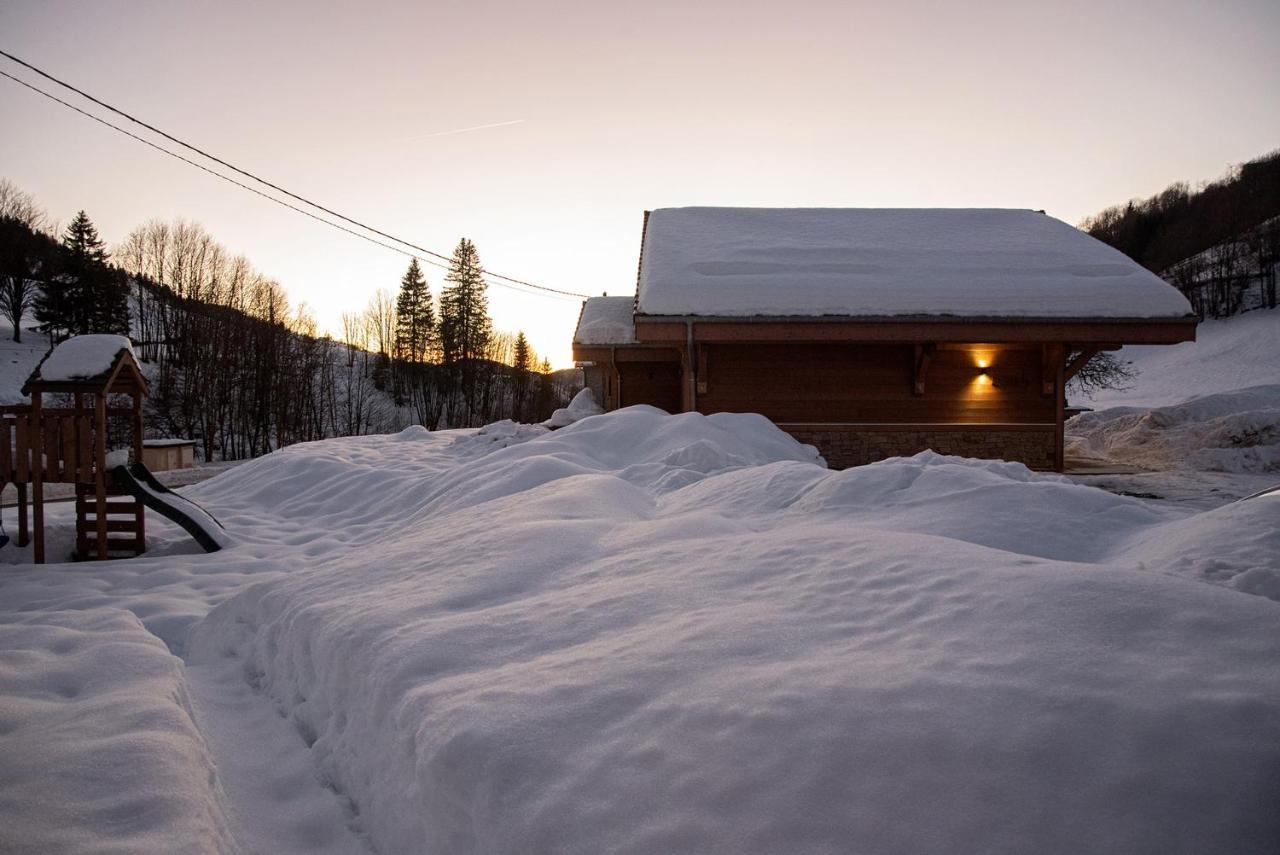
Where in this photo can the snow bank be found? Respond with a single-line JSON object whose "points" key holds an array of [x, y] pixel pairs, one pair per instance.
{"points": [[1229, 432], [97, 744], [862, 261], [83, 356], [649, 633], [606, 320], [583, 405], [1227, 355]]}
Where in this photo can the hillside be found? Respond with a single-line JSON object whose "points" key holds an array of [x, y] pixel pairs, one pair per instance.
{"points": [[1200, 423]]}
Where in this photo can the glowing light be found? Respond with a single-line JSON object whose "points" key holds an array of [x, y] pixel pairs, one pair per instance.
{"points": [[983, 361]]}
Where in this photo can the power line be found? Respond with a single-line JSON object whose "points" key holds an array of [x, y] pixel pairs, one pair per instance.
{"points": [[505, 279]]}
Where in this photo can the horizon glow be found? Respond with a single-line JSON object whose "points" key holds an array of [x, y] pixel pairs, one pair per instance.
{"points": [[372, 112]]}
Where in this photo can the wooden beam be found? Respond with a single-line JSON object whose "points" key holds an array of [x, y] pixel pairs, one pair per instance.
{"points": [[1058, 352], [100, 472], [1048, 368], [1093, 332], [920, 368], [37, 478], [1081, 360], [703, 366]]}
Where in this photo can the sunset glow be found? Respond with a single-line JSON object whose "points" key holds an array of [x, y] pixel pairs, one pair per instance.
{"points": [[544, 131]]}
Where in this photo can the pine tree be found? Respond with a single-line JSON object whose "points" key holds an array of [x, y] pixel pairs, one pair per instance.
{"points": [[523, 356], [465, 325], [85, 295], [546, 400], [415, 317], [522, 360]]}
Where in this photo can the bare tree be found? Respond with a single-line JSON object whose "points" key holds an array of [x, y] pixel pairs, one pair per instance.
{"points": [[24, 255]]}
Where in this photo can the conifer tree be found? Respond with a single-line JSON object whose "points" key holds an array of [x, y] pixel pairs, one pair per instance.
{"points": [[415, 317], [546, 400], [465, 325], [85, 295], [522, 358]]}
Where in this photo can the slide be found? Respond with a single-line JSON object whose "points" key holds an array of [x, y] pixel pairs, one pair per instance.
{"points": [[199, 523]]}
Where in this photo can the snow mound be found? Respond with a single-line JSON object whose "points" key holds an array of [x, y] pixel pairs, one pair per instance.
{"points": [[646, 633], [606, 320], [583, 405], [83, 356], [1227, 432], [99, 749], [1237, 545]]}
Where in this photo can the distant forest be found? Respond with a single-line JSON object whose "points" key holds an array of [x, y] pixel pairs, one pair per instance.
{"points": [[1219, 243], [234, 367]]}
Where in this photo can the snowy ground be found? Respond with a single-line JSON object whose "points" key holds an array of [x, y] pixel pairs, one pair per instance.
{"points": [[645, 633], [1201, 421]]}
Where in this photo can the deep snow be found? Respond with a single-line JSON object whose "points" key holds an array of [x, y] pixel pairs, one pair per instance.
{"points": [[648, 633], [606, 320], [889, 261]]}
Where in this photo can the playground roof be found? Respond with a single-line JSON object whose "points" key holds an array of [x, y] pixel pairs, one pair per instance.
{"points": [[97, 364]]}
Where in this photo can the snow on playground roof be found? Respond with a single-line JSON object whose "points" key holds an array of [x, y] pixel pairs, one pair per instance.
{"points": [[82, 357], [606, 320], [878, 262]]}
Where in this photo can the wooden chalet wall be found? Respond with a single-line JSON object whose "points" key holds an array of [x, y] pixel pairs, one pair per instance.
{"points": [[869, 383]]}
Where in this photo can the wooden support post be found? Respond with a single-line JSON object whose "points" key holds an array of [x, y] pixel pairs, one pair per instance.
{"points": [[920, 367], [24, 532], [140, 514], [37, 477], [1059, 354], [703, 369], [100, 469], [1048, 368]]}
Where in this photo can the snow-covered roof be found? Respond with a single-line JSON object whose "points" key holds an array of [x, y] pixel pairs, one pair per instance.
{"points": [[738, 262], [606, 321], [83, 356]]}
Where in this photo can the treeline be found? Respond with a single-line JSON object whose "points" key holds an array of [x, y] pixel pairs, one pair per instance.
{"points": [[66, 284], [441, 357], [1219, 244], [235, 367]]}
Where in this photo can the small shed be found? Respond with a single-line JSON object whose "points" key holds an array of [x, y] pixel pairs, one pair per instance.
{"points": [[872, 333], [161, 455]]}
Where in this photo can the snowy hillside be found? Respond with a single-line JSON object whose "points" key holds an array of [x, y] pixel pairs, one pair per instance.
{"points": [[1227, 355], [644, 633], [18, 360], [1208, 405]]}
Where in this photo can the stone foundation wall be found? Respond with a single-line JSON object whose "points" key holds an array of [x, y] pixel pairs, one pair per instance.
{"points": [[852, 445]]}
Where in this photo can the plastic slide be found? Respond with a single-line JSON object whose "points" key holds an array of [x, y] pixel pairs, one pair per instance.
{"points": [[199, 523]]}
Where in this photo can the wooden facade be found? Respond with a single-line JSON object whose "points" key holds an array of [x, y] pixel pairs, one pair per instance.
{"points": [[863, 389]]}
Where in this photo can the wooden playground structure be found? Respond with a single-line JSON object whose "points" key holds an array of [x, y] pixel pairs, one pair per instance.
{"points": [[69, 445]]}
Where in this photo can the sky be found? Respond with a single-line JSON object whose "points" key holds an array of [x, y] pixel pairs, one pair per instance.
{"points": [[543, 131]]}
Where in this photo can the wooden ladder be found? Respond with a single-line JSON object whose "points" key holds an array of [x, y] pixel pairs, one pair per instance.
{"points": [[119, 531]]}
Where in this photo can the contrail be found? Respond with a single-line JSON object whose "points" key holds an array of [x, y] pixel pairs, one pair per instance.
{"points": [[473, 128]]}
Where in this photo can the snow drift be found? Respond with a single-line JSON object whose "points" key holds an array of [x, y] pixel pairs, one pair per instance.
{"points": [[643, 632], [1227, 432], [648, 633], [97, 743]]}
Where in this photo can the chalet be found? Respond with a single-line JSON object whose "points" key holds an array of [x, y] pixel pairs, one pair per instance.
{"points": [[873, 332]]}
